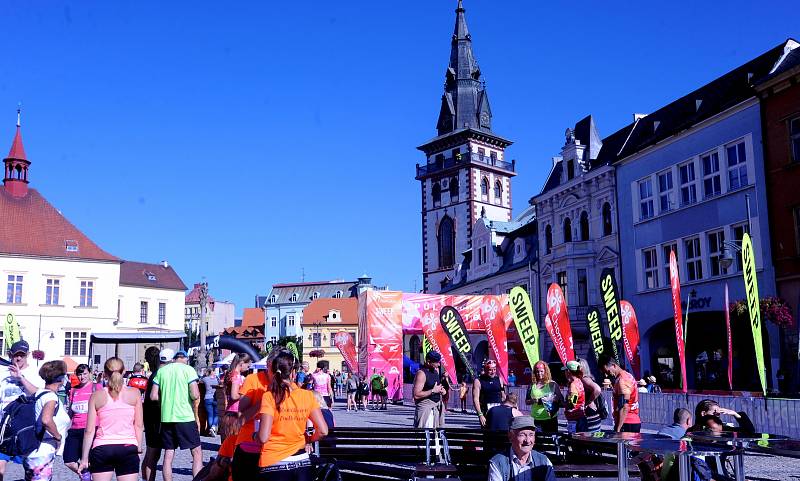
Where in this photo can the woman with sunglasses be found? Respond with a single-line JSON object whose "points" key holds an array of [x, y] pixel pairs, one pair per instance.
{"points": [[78, 409]]}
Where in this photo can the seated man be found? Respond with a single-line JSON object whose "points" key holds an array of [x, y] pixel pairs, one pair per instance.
{"points": [[681, 421], [521, 463]]}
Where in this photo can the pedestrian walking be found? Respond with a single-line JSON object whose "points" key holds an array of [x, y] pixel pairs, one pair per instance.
{"points": [[462, 395], [211, 384], [427, 393], [151, 414], [232, 383], [545, 399], [175, 385], [52, 416], [488, 390], [138, 378], [285, 410], [352, 386], [323, 383], [16, 379], [626, 397], [114, 428], [78, 411]]}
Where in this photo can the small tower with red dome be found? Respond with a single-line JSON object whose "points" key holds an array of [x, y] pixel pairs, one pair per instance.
{"points": [[15, 179]]}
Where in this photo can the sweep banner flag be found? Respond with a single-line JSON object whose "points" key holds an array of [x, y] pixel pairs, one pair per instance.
{"points": [[527, 329], [454, 326], [730, 340], [630, 336], [675, 282], [610, 292], [557, 323], [753, 306], [347, 346], [595, 332]]}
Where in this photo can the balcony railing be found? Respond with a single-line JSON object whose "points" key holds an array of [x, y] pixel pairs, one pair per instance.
{"points": [[463, 159], [572, 248]]}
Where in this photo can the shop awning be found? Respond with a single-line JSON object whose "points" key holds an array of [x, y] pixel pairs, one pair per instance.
{"points": [[137, 336]]}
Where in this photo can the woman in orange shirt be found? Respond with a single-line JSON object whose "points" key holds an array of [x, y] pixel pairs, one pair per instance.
{"points": [[285, 409]]}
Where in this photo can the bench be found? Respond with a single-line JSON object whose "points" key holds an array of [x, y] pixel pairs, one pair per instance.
{"points": [[385, 453]]}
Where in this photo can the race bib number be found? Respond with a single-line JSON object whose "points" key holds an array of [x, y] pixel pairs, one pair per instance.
{"points": [[80, 407]]}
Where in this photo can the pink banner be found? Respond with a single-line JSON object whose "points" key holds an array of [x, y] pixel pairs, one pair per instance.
{"points": [[557, 323], [630, 336], [384, 340], [730, 340], [346, 345], [675, 282]]}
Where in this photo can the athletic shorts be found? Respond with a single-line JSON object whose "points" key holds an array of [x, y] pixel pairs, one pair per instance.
{"points": [[244, 466], [631, 428], [180, 435], [73, 445], [121, 458], [152, 436]]}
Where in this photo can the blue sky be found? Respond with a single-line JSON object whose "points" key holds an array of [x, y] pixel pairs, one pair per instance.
{"points": [[246, 142]]}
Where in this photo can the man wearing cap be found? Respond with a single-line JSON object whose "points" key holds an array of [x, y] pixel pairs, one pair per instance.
{"points": [[16, 379], [521, 462], [428, 391], [175, 385]]}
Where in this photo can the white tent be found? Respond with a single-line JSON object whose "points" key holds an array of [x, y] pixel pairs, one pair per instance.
{"points": [[262, 364], [226, 361]]}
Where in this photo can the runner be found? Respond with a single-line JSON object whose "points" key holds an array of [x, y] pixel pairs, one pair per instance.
{"points": [[151, 414], [211, 383], [375, 387], [576, 398], [53, 418], [232, 382], [626, 397], [323, 383], [285, 409], [115, 416], [352, 387], [488, 390], [596, 407], [545, 397], [78, 410]]}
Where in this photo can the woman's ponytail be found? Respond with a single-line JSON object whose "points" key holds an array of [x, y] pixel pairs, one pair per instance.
{"points": [[114, 367]]}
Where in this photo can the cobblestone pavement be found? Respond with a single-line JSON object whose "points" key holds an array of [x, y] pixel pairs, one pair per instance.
{"points": [[757, 467]]}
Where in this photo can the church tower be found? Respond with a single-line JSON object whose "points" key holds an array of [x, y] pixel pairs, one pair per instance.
{"points": [[466, 175], [15, 179]]}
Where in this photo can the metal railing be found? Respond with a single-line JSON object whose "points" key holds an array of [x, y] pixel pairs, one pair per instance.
{"points": [[464, 159]]}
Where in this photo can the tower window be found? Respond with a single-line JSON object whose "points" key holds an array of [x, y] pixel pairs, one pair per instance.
{"points": [[567, 230], [584, 226], [447, 242], [607, 227], [484, 187], [454, 189], [548, 239], [498, 190], [436, 192]]}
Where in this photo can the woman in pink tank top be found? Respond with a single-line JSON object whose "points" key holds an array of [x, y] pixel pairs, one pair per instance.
{"points": [[232, 381], [114, 426], [323, 384], [78, 411]]}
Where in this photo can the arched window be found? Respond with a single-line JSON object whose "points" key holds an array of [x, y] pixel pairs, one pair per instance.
{"points": [[485, 187], [567, 230], [607, 227], [454, 188], [548, 239], [315, 295], [447, 242], [584, 226], [293, 298], [498, 190], [337, 295], [437, 193]]}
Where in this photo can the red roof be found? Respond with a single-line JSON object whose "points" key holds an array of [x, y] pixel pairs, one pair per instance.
{"points": [[149, 275], [252, 316], [193, 297], [319, 309], [32, 226], [17, 150]]}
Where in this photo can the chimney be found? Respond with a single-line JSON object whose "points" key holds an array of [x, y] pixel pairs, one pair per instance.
{"points": [[164, 264]]}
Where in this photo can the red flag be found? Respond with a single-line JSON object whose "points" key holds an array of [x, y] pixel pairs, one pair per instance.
{"points": [[344, 341], [557, 323], [730, 341], [675, 282], [495, 326], [630, 336]]}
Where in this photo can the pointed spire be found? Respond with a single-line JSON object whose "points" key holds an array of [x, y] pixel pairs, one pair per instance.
{"points": [[17, 150]]}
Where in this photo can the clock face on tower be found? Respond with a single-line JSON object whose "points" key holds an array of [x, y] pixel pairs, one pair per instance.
{"points": [[484, 119]]}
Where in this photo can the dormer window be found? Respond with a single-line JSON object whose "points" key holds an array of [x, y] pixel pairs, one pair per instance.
{"points": [[338, 295], [293, 298], [71, 245], [151, 277], [272, 299], [315, 296]]}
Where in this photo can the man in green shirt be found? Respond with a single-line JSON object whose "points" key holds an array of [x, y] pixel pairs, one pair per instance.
{"points": [[175, 385]]}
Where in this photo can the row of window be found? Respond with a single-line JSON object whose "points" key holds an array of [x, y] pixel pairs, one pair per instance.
{"points": [[452, 187], [52, 292], [273, 321], [75, 343], [584, 232], [562, 279], [699, 257], [317, 338], [697, 179], [143, 312], [295, 297]]}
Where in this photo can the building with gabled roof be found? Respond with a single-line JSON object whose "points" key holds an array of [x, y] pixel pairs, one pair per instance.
{"points": [[323, 318], [72, 299]]}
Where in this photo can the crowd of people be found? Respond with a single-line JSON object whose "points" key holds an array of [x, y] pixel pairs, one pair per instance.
{"points": [[102, 422]]}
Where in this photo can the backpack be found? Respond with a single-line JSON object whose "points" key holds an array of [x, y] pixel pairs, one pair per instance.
{"points": [[21, 432]]}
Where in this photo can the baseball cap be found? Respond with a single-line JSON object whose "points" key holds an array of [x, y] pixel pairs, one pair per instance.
{"points": [[166, 354], [433, 356], [572, 366], [20, 346], [522, 422], [179, 354]]}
